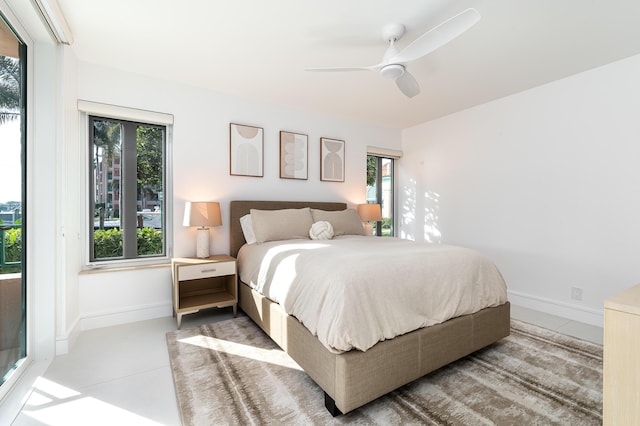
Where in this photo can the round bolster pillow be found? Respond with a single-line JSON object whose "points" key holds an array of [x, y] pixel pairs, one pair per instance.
{"points": [[321, 230]]}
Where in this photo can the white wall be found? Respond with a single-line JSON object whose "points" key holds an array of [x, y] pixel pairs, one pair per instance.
{"points": [[70, 182], [544, 182], [201, 172]]}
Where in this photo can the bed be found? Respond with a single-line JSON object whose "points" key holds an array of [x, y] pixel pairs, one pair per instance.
{"points": [[352, 378]]}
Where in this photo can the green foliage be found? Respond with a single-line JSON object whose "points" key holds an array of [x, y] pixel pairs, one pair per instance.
{"points": [[13, 245], [149, 241], [149, 141], [9, 89], [12, 250], [107, 243], [106, 134], [386, 227], [372, 167]]}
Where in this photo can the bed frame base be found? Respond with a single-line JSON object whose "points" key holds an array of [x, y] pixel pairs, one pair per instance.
{"points": [[352, 379]]}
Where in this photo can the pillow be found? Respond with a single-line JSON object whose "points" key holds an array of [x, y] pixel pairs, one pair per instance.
{"points": [[321, 230], [247, 229], [344, 222], [285, 224]]}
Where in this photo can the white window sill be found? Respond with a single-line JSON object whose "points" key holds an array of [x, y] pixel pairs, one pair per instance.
{"points": [[98, 269]]}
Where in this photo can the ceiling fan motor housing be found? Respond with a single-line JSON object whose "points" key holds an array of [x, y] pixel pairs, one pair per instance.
{"points": [[392, 71]]}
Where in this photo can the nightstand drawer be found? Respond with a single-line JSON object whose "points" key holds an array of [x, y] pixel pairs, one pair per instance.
{"points": [[205, 270]]}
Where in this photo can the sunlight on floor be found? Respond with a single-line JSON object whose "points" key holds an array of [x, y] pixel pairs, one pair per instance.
{"points": [[52, 404], [272, 356]]}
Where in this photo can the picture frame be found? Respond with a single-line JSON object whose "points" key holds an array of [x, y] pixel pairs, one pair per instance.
{"points": [[294, 151], [246, 150], [332, 160]]}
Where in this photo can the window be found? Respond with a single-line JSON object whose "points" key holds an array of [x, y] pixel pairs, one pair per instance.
{"points": [[13, 227], [128, 185], [380, 190]]}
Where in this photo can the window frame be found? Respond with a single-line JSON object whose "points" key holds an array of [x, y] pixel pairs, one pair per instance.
{"points": [[89, 109], [393, 155]]}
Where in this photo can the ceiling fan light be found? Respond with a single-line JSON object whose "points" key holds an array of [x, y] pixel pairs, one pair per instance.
{"points": [[392, 71]]}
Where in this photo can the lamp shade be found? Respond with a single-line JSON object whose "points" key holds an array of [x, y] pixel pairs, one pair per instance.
{"points": [[369, 212], [202, 214]]}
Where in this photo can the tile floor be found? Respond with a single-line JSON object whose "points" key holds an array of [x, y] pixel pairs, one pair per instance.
{"points": [[121, 376]]}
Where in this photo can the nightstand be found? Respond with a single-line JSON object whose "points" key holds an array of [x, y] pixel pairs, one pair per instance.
{"points": [[621, 358], [210, 282]]}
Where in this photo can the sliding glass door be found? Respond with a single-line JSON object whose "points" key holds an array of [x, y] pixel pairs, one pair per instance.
{"points": [[12, 201]]}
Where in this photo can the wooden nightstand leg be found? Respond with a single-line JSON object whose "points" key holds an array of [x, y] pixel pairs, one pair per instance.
{"points": [[235, 309], [179, 318]]}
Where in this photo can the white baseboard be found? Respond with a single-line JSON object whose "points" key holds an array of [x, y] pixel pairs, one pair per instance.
{"points": [[65, 342], [555, 307], [126, 315]]}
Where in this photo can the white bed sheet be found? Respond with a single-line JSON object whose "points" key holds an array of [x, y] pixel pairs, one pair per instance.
{"points": [[354, 291]]}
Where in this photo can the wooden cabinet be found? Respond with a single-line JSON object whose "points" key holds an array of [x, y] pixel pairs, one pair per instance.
{"points": [[621, 359], [203, 283]]}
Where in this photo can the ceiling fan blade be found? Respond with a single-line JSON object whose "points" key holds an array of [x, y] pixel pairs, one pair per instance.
{"points": [[438, 36], [408, 84], [338, 69]]}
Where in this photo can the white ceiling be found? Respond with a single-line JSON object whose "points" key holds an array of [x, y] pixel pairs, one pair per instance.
{"points": [[259, 49]]}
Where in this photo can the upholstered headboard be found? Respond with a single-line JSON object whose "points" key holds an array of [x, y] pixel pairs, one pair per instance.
{"points": [[240, 208]]}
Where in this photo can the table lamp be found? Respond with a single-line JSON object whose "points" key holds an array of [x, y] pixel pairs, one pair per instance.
{"points": [[369, 213], [203, 215]]}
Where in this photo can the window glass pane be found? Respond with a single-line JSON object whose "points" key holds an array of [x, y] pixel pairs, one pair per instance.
{"points": [[128, 161], [380, 191], [386, 199], [12, 199], [107, 226], [149, 146]]}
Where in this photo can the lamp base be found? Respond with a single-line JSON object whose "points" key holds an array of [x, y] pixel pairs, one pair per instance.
{"points": [[368, 229], [202, 244]]}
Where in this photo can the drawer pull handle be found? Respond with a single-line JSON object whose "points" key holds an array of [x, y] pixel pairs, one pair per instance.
{"points": [[209, 270]]}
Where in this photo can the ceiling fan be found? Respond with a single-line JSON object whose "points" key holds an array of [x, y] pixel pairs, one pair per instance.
{"points": [[394, 62]]}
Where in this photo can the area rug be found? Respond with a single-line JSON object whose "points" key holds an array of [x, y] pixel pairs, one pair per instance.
{"points": [[230, 372]]}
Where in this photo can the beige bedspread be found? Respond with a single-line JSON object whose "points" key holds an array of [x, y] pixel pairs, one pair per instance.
{"points": [[355, 291]]}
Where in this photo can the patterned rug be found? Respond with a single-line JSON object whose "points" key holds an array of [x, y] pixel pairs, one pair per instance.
{"points": [[230, 372]]}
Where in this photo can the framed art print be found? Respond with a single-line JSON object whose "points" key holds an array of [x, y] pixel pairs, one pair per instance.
{"points": [[294, 150], [331, 160], [246, 150]]}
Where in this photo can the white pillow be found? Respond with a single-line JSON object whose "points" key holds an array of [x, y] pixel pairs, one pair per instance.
{"points": [[321, 230], [247, 229]]}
